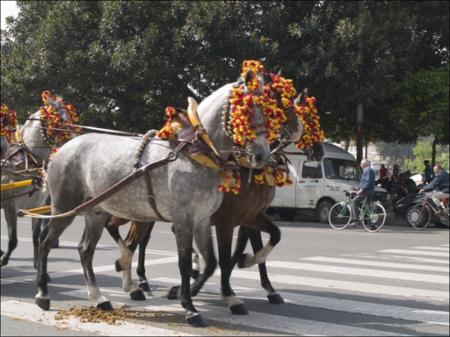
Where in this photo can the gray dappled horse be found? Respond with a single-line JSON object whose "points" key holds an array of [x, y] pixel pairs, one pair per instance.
{"points": [[245, 209], [185, 193], [18, 198]]}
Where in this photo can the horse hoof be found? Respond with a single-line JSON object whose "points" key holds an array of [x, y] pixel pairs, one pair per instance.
{"points": [[195, 319], [43, 303], [106, 306], [173, 293], [275, 299], [144, 286], [118, 266], [238, 309], [4, 262], [137, 295]]}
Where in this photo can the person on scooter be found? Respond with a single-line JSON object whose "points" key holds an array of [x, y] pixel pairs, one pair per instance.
{"points": [[439, 186], [365, 189], [427, 172]]}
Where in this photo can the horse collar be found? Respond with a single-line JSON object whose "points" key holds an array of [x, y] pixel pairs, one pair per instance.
{"points": [[198, 127]]}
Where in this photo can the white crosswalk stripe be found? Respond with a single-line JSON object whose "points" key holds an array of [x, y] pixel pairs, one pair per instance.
{"points": [[360, 271], [415, 252], [352, 306], [281, 324], [327, 289], [376, 263]]}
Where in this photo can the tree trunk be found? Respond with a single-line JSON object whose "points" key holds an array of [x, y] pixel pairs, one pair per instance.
{"points": [[433, 152]]}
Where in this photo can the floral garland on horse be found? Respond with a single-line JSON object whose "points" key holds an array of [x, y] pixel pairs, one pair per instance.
{"points": [[8, 123], [241, 130]]}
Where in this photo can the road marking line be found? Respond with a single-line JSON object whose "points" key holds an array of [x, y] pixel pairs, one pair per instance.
{"points": [[354, 287], [376, 263], [259, 320], [378, 273], [75, 244], [412, 258], [414, 252], [358, 307], [31, 312], [433, 248], [98, 269]]}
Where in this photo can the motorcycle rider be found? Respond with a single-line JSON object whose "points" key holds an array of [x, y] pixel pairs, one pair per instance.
{"points": [[439, 186]]}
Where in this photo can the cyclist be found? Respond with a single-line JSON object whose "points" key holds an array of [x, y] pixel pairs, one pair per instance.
{"points": [[365, 189], [439, 185]]}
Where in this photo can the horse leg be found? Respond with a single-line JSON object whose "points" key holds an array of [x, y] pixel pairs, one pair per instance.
{"points": [[126, 256], [206, 250], [257, 245], [184, 235], [36, 230], [195, 260], [92, 232], [48, 235], [143, 283], [11, 221], [261, 223], [224, 234]]}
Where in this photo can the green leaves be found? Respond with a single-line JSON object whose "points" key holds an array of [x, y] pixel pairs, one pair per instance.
{"points": [[122, 62]]}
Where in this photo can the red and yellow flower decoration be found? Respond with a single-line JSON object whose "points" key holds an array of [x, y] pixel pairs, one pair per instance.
{"points": [[231, 181], [312, 133], [8, 123], [169, 129], [242, 107], [59, 117]]}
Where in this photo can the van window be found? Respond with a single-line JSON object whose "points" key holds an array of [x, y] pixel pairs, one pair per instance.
{"points": [[341, 169], [311, 171]]}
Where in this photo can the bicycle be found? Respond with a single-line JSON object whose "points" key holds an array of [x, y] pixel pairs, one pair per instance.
{"points": [[372, 214]]}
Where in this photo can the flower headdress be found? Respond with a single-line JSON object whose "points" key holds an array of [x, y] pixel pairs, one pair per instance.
{"points": [[59, 118], [8, 123], [307, 113]]}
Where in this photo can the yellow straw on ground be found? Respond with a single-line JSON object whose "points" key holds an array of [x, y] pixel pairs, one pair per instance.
{"points": [[10, 186]]}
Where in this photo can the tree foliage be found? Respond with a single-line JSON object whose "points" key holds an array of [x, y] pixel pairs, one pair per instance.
{"points": [[122, 62]]}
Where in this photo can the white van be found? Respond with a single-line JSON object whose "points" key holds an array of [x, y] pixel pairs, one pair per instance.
{"points": [[317, 185]]}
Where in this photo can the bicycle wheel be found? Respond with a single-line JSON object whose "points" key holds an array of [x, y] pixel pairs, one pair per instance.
{"points": [[418, 216], [375, 218], [339, 216]]}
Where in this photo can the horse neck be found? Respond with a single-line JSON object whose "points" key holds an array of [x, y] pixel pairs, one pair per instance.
{"points": [[33, 138], [210, 115]]}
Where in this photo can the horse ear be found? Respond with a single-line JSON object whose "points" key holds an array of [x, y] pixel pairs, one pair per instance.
{"points": [[192, 104]]}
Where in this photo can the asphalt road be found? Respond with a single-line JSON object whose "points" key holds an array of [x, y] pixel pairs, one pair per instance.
{"points": [[395, 282]]}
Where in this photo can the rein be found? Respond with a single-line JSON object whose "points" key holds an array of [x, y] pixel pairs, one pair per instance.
{"points": [[88, 128]]}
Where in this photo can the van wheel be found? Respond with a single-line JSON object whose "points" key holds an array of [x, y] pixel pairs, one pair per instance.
{"points": [[323, 210], [286, 214]]}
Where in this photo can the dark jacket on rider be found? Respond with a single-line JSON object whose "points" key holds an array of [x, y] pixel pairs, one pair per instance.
{"points": [[440, 182]]}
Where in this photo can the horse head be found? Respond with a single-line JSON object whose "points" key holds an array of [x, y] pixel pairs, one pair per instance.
{"points": [[284, 92], [50, 127], [233, 117]]}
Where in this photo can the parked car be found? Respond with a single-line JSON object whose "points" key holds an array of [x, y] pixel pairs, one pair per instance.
{"points": [[318, 185]]}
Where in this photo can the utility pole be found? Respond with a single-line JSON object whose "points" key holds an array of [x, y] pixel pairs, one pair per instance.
{"points": [[360, 107], [360, 132]]}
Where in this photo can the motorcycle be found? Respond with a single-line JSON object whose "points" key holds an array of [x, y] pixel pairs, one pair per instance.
{"points": [[422, 209]]}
